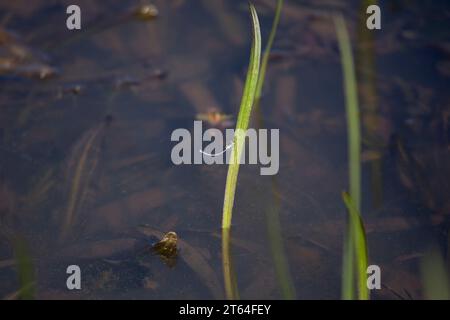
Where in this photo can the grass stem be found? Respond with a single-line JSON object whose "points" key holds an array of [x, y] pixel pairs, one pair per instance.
{"points": [[245, 110]]}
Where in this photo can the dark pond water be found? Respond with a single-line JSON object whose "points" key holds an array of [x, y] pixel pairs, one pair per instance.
{"points": [[85, 151]]}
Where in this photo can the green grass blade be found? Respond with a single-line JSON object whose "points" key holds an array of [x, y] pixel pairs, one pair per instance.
{"points": [[25, 269], [354, 151], [231, 288], [348, 292], [351, 96], [243, 120], [247, 101], [282, 270], [358, 236], [266, 54], [435, 276]]}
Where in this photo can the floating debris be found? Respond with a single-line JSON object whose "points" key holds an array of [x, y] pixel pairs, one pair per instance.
{"points": [[38, 71], [216, 118], [126, 82], [17, 59], [146, 12]]}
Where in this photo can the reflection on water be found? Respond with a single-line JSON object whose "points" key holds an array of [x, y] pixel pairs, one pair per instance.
{"points": [[85, 127]]}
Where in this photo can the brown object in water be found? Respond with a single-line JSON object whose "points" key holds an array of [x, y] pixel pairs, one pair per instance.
{"points": [[167, 248], [195, 260], [216, 118], [146, 12]]}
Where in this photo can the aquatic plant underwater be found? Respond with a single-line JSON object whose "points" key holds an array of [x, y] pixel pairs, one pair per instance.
{"points": [[355, 253], [355, 247], [272, 212]]}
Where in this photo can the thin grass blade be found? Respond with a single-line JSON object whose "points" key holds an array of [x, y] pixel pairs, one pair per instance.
{"points": [[354, 150], [245, 110], [360, 245]]}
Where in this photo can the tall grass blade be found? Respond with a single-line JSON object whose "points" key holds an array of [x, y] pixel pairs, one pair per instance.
{"points": [[360, 246], [247, 101], [352, 111], [354, 150], [347, 290], [24, 269], [435, 276]]}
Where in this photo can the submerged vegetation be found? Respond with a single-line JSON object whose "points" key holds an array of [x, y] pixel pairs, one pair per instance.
{"points": [[274, 228], [82, 164], [357, 252], [25, 270], [435, 275], [254, 95], [355, 246]]}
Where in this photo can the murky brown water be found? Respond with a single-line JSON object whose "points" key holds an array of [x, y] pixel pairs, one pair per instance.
{"points": [[85, 124]]}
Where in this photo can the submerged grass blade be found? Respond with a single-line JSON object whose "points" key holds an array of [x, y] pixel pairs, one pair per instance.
{"points": [[366, 74], [358, 236], [86, 163], [435, 276], [266, 54], [347, 290], [354, 151], [279, 257], [24, 269], [229, 275], [247, 101], [351, 96]]}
